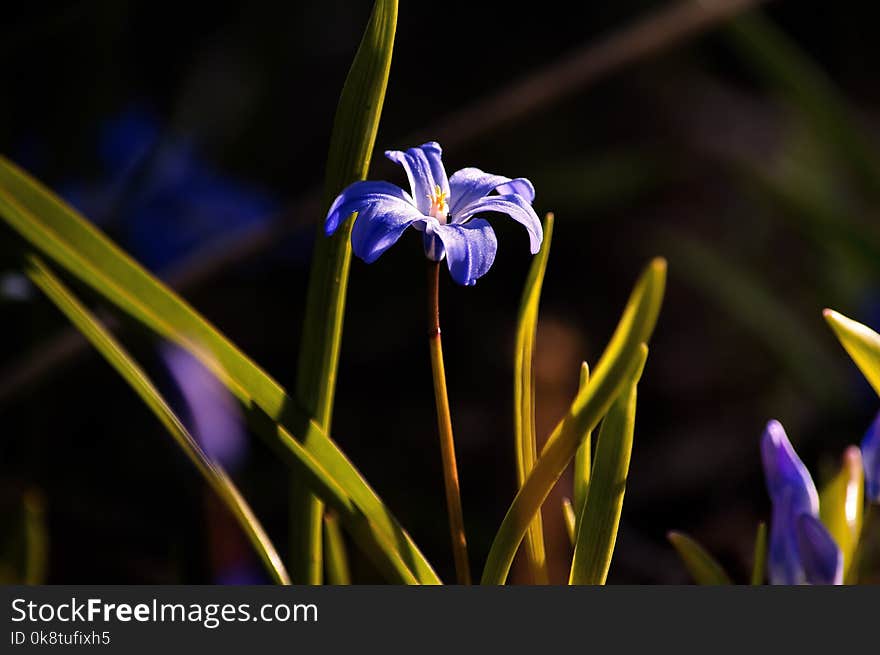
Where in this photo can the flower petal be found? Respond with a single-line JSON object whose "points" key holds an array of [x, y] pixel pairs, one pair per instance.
{"points": [[820, 556], [871, 459], [784, 565], [358, 195], [424, 168], [470, 248], [514, 206], [471, 184], [379, 225], [787, 477]]}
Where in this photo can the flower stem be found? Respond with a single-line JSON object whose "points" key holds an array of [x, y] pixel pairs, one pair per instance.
{"points": [[444, 425]]}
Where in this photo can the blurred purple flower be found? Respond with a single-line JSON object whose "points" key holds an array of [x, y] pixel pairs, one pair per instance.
{"points": [[871, 459], [801, 550], [15, 286], [442, 209], [214, 417], [168, 201]]}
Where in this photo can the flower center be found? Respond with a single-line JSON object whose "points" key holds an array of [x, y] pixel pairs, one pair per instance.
{"points": [[439, 207]]}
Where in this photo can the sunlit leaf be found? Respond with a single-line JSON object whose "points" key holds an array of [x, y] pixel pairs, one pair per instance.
{"points": [[525, 440], [622, 356], [840, 506], [59, 233], [702, 566], [570, 520], [861, 342], [600, 515], [351, 147], [119, 359]]}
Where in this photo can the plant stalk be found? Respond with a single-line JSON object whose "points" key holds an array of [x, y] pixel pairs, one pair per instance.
{"points": [[444, 425]]}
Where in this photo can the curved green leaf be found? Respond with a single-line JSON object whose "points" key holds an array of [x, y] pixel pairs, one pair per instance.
{"points": [[351, 147], [119, 359], [841, 503], [600, 516], [861, 342], [623, 354], [525, 441], [701, 565], [58, 232]]}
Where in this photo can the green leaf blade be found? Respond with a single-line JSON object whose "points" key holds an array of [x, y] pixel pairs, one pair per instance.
{"points": [[623, 355], [337, 558], [704, 568], [861, 342], [351, 147], [54, 229], [600, 515], [525, 440], [582, 460], [132, 373], [759, 563]]}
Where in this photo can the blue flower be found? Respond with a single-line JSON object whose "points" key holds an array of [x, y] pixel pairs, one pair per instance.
{"points": [[871, 459], [442, 208], [801, 549]]}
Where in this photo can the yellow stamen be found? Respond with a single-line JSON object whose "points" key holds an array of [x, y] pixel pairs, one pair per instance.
{"points": [[439, 207]]}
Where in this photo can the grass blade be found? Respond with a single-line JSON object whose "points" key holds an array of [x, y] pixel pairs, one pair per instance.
{"points": [[582, 460], [600, 515], [841, 503], [760, 557], [351, 147], [525, 440], [55, 230], [701, 565], [622, 355], [119, 359], [861, 342], [337, 558]]}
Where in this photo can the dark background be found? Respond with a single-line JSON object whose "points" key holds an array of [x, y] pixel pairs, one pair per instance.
{"points": [[174, 128]]}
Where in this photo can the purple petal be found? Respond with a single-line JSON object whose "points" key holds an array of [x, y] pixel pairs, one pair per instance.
{"points": [[216, 422], [787, 477], [468, 185], [783, 561], [359, 195], [379, 225], [821, 558], [470, 248], [514, 206], [871, 459], [424, 169]]}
